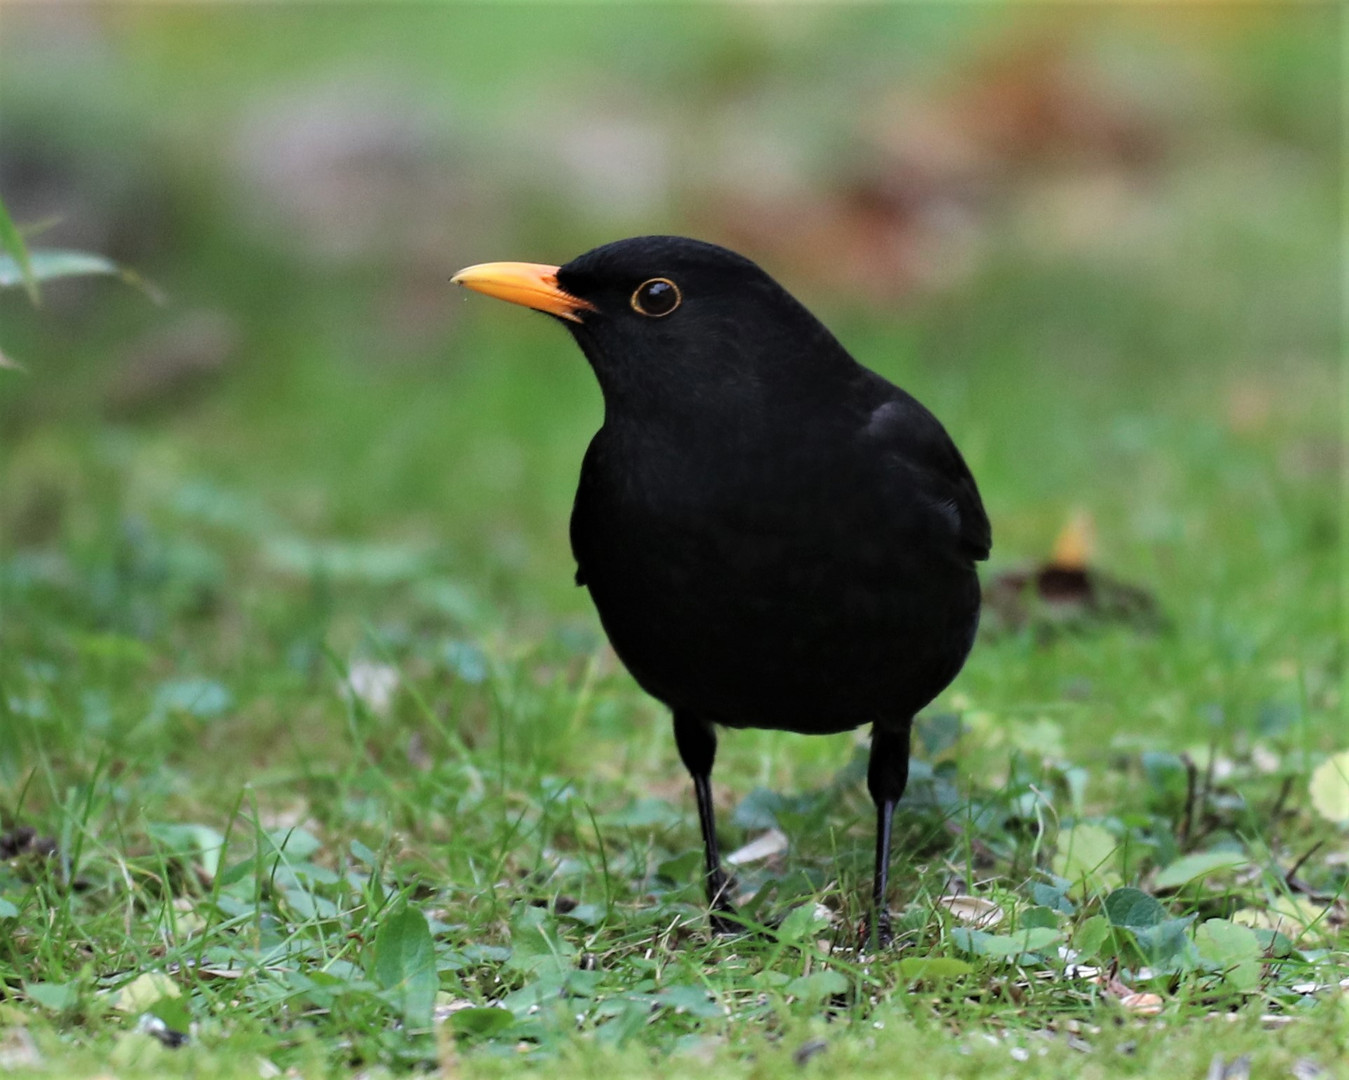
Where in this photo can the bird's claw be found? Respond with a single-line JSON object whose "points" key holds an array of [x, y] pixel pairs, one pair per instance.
{"points": [[878, 934]]}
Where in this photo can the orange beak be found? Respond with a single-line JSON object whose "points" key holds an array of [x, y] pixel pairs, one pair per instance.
{"points": [[532, 284]]}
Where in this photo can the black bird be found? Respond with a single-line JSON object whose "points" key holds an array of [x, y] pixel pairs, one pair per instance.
{"points": [[774, 535]]}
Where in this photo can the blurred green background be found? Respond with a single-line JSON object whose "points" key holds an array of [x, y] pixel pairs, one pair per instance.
{"points": [[1101, 243]]}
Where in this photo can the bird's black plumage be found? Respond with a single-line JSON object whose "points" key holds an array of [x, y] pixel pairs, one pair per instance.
{"points": [[773, 535]]}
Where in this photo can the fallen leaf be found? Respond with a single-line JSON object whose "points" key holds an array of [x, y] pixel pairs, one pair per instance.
{"points": [[1200, 864], [1143, 1004], [764, 846], [1086, 857], [1066, 592], [144, 990], [1329, 788], [974, 911]]}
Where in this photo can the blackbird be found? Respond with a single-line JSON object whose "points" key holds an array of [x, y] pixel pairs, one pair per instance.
{"points": [[774, 536]]}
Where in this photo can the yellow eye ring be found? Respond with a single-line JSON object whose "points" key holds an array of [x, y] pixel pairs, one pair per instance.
{"points": [[656, 298]]}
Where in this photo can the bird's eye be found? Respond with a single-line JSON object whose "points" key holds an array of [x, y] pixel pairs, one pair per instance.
{"points": [[656, 297]]}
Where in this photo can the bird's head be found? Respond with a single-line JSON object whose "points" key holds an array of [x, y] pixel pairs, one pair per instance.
{"points": [[666, 321]]}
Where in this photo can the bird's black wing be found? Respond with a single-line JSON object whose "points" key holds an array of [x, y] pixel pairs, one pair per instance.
{"points": [[921, 459]]}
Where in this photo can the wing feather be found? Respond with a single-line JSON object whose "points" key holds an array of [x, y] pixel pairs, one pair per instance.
{"points": [[920, 455]]}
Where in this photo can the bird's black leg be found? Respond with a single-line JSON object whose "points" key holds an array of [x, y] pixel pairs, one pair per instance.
{"points": [[887, 776], [697, 742]]}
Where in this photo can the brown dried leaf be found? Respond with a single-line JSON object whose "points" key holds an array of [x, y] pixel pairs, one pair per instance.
{"points": [[976, 911], [1143, 1004]]}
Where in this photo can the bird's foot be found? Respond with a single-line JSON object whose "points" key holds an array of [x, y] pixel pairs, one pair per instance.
{"points": [[877, 933], [725, 923], [723, 916]]}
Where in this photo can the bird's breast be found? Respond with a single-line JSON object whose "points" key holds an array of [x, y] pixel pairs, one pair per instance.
{"points": [[791, 607]]}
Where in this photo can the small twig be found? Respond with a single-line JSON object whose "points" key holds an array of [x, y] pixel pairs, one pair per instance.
{"points": [[1276, 811], [1290, 877], [1191, 795], [1205, 822], [1285, 790]]}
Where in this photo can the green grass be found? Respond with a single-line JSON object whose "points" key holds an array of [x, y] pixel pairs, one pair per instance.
{"points": [[496, 868]]}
